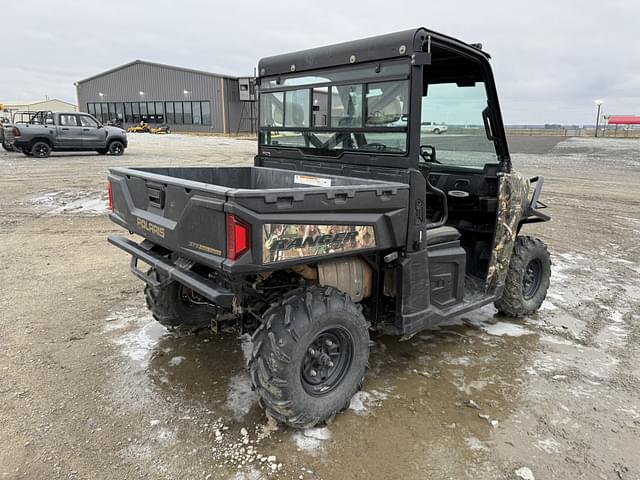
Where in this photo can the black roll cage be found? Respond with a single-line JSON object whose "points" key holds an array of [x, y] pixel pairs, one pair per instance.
{"points": [[416, 48]]}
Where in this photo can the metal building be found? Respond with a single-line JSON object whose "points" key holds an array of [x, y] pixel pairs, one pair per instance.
{"points": [[186, 99], [7, 109]]}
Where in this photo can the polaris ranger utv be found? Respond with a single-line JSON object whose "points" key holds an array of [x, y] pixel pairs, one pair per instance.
{"points": [[350, 220]]}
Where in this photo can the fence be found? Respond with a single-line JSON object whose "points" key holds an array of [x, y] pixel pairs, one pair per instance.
{"points": [[609, 131]]}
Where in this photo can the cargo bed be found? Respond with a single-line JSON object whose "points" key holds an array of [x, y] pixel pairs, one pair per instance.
{"points": [[186, 210]]}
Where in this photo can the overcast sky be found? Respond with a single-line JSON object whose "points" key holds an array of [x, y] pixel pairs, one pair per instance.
{"points": [[551, 59]]}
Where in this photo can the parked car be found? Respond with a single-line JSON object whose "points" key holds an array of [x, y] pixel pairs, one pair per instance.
{"points": [[44, 132], [4, 122], [433, 127]]}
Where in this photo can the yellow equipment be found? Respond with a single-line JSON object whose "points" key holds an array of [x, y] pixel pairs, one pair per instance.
{"points": [[161, 129], [142, 127]]}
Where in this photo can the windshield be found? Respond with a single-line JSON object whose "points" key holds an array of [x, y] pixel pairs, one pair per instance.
{"points": [[452, 123], [357, 109]]}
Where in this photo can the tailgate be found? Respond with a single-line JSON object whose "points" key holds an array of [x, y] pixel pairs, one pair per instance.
{"points": [[180, 215]]}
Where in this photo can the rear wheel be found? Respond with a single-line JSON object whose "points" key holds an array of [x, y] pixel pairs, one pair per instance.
{"points": [[6, 146], [527, 279], [116, 147], [309, 356], [175, 305], [40, 150]]}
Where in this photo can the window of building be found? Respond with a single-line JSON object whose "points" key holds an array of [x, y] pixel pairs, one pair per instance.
{"points": [[188, 118], [171, 118], [136, 112], [197, 116], [112, 111], [178, 109], [143, 111], [160, 112], [206, 113], [128, 112]]}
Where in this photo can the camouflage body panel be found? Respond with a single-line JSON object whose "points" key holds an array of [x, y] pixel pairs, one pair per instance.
{"points": [[513, 197], [285, 241]]}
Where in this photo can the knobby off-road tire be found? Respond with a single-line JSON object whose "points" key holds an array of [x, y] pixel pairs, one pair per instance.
{"points": [[171, 306], [309, 356], [527, 279]]}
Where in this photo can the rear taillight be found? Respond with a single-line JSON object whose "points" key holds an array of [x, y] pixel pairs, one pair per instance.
{"points": [[110, 190], [16, 132], [238, 237]]}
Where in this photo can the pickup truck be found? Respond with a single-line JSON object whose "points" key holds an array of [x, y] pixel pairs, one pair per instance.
{"points": [[40, 133], [341, 226]]}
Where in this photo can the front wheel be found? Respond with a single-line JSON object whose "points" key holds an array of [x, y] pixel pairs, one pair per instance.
{"points": [[6, 146], [527, 279], [116, 148], [437, 131], [309, 356]]}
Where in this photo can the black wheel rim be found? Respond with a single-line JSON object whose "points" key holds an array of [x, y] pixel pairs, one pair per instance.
{"points": [[531, 279], [116, 148], [41, 150], [326, 361]]}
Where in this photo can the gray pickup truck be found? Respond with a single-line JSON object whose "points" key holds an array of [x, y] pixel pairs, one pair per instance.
{"points": [[40, 133]]}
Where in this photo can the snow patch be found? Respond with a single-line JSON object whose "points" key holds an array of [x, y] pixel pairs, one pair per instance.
{"points": [[549, 445], [475, 443], [311, 439], [240, 396], [140, 344], [175, 361], [72, 202], [363, 401]]}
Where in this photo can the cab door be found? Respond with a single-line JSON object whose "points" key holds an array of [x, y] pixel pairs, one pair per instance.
{"points": [[94, 135], [69, 131]]}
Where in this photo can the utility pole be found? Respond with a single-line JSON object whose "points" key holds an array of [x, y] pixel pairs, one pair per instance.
{"points": [[599, 104]]}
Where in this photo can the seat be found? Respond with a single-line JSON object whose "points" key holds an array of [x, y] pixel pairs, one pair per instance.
{"points": [[442, 234]]}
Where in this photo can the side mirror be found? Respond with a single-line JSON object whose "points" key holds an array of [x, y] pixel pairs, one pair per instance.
{"points": [[428, 153], [100, 125]]}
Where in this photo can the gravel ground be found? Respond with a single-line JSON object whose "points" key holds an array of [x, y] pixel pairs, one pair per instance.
{"points": [[92, 388]]}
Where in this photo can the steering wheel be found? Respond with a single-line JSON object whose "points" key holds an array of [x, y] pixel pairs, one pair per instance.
{"points": [[375, 146]]}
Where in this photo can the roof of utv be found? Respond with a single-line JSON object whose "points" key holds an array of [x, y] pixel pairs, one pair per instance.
{"points": [[381, 47]]}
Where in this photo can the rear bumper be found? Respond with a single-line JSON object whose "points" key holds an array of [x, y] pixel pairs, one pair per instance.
{"points": [[198, 283]]}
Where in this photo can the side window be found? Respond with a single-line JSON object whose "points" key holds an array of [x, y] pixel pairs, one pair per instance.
{"points": [[346, 106], [68, 121], [452, 123], [387, 104], [296, 112], [320, 106], [271, 109], [88, 121]]}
